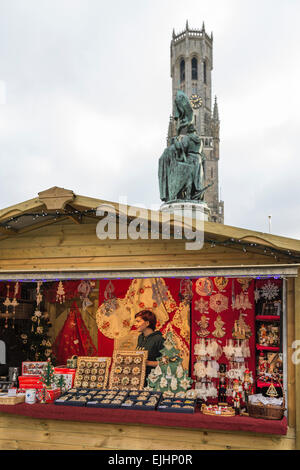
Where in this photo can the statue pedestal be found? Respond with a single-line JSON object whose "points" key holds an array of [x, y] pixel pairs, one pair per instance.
{"points": [[197, 209]]}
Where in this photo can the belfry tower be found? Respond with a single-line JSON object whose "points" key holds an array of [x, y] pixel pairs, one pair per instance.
{"points": [[191, 66]]}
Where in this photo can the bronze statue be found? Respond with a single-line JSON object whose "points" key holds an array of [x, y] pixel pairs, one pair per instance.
{"points": [[181, 166]]}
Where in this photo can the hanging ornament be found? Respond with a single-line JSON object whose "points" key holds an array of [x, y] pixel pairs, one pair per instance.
{"points": [[186, 290], [60, 293], [272, 392], [242, 302], [269, 290], [7, 304], [218, 303], [173, 383], [245, 283], [203, 324], [84, 289], [221, 283], [240, 329], [256, 295], [201, 305], [204, 286], [15, 303], [232, 294], [219, 331]]}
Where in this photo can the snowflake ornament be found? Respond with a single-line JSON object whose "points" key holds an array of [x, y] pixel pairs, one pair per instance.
{"points": [[269, 290]]}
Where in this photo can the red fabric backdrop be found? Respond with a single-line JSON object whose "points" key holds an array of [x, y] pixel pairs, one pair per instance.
{"points": [[121, 286], [228, 316], [74, 338]]}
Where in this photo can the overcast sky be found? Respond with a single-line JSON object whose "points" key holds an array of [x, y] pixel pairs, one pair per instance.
{"points": [[85, 93]]}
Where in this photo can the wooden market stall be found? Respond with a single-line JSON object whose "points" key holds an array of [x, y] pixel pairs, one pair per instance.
{"points": [[54, 237]]}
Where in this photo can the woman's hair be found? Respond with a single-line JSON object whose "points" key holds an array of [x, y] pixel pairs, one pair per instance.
{"points": [[149, 316]]}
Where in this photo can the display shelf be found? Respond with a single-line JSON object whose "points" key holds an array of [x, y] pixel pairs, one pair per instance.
{"points": [[260, 347], [267, 318]]}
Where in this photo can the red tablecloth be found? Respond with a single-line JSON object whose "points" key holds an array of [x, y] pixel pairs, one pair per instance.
{"points": [[152, 418]]}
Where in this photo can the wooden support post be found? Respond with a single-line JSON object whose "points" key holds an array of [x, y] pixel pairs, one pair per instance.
{"points": [[297, 366]]}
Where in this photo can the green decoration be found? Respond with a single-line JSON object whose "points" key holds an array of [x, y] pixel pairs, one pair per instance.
{"points": [[47, 376], [60, 382], [169, 374], [181, 166]]}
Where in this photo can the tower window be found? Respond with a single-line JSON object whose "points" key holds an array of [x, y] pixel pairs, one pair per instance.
{"points": [[204, 72], [182, 70], [194, 69]]}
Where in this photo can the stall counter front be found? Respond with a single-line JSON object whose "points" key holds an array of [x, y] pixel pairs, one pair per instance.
{"points": [[47, 426]]}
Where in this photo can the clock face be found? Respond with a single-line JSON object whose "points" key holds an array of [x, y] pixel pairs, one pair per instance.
{"points": [[196, 101]]}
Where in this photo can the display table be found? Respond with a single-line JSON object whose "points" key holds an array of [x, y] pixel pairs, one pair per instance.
{"points": [[195, 420]]}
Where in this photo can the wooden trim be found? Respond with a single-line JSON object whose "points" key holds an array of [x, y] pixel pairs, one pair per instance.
{"points": [[290, 328], [297, 366]]}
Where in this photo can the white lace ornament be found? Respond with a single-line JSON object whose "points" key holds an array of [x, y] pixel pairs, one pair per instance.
{"points": [[179, 371], [200, 370], [174, 383]]}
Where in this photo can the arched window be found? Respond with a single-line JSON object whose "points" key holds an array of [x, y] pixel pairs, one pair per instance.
{"points": [[204, 72], [182, 70], [194, 68]]}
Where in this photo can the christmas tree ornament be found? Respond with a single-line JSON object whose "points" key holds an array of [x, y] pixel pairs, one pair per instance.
{"points": [[219, 331], [241, 330], [244, 282]]}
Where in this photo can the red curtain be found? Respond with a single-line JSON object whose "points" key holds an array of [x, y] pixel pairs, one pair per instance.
{"points": [[74, 338]]}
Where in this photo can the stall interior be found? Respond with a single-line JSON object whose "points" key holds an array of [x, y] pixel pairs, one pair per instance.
{"points": [[223, 341]]}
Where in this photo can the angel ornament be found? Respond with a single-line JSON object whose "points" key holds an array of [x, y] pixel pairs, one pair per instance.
{"points": [[219, 331], [203, 324]]}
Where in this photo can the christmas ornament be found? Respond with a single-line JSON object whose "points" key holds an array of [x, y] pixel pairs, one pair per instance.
{"points": [[244, 282], [218, 302], [221, 283], [269, 290], [60, 293], [219, 331], [204, 286], [201, 305], [203, 324]]}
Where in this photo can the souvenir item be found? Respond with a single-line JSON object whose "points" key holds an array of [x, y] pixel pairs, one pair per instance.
{"points": [[85, 378], [222, 386], [30, 396], [219, 331], [221, 283], [237, 396], [128, 370], [245, 283], [204, 286], [240, 329], [33, 368], [218, 302], [203, 324], [201, 305]]}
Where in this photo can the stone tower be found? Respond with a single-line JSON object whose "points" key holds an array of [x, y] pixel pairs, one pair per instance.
{"points": [[191, 66]]}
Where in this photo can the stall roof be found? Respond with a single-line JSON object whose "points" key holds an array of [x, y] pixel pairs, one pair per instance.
{"points": [[57, 203]]}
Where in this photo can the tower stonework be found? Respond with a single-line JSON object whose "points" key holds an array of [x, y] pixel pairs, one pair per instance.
{"points": [[191, 67]]}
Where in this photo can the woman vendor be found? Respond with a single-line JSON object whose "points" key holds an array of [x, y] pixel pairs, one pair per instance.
{"points": [[149, 339]]}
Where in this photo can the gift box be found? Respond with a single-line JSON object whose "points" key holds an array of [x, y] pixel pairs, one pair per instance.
{"points": [[33, 368], [49, 395], [68, 374]]}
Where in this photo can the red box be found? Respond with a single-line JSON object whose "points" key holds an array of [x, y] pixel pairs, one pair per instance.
{"points": [[64, 370], [50, 395]]}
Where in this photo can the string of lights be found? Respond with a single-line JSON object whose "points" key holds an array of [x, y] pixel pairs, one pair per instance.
{"points": [[246, 247]]}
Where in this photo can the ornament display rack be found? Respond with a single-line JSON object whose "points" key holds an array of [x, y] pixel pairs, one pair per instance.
{"points": [[260, 319]]}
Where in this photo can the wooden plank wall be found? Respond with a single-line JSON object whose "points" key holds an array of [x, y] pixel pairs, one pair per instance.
{"points": [[23, 433], [72, 246]]}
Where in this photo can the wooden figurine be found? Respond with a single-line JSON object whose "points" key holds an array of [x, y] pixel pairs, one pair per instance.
{"points": [[237, 396], [222, 386]]}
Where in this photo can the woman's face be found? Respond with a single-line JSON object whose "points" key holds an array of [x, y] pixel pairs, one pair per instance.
{"points": [[141, 324]]}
